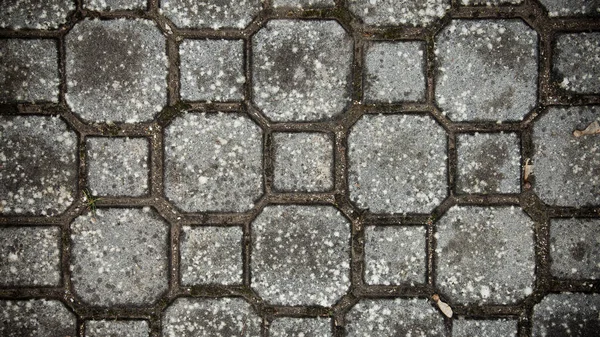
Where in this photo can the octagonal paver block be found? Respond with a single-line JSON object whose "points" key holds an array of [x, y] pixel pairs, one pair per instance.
{"points": [[576, 63], [28, 70], [575, 248], [213, 14], [117, 328], [301, 69], [398, 317], [36, 318], [188, 317], [567, 169], [119, 256], [488, 328], [106, 5], [303, 3], [35, 14], [300, 255], [487, 70], [29, 256], [116, 70], [395, 254], [572, 7], [485, 254], [397, 163], [213, 162], [39, 170], [399, 12], [300, 327], [567, 315]]}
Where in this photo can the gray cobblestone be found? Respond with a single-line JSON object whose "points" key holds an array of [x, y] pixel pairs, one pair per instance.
{"points": [[566, 315], [35, 14], [575, 248], [300, 327], [116, 328], [488, 328], [303, 3], [104, 5], [577, 59], [36, 318], [211, 14], [393, 12], [571, 7]]}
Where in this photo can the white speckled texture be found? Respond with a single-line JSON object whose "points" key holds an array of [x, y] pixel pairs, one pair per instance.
{"points": [[300, 255], [577, 62], [35, 14], [39, 169], [301, 69], [213, 162], [484, 328], [212, 70], [213, 14], [395, 167], [105, 5], [485, 254], [486, 70], [118, 166], [211, 255], [572, 7], [36, 318], [490, 2], [116, 328], [119, 256], [116, 70], [300, 327], [399, 12], [303, 3], [567, 314], [575, 248]]}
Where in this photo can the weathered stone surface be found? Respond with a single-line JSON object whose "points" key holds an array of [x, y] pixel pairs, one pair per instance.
{"points": [[35, 14], [119, 256], [300, 255], [577, 62], [116, 328], [488, 328], [575, 248], [303, 3], [39, 170], [394, 167], [571, 7], [213, 162], [567, 315], [297, 327], [213, 14], [399, 12], [487, 70], [108, 5], [36, 318], [301, 69]]}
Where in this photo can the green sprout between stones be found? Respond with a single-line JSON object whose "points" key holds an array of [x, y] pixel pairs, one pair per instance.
{"points": [[91, 201]]}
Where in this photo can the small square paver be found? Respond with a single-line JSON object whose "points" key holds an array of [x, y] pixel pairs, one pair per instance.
{"points": [[484, 328], [575, 248], [567, 314], [192, 317], [485, 254], [395, 72], [577, 62], [111, 5], [303, 3], [28, 70], [211, 255], [30, 256], [119, 256], [35, 14], [300, 327], [399, 12], [488, 163], [303, 162], [395, 254], [118, 166], [213, 14], [36, 318], [212, 70], [585, 8], [117, 328]]}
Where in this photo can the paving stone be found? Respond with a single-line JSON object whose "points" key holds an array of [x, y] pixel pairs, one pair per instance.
{"points": [[399, 12], [485, 254], [116, 329], [212, 70], [29, 256], [303, 162], [118, 166], [301, 69], [571, 7], [300, 255], [395, 254], [491, 2], [577, 62], [484, 328], [213, 14], [213, 162], [488, 163], [39, 169], [36, 318], [567, 169], [211, 255], [303, 3], [567, 315], [116, 70], [398, 317], [110, 5], [300, 327], [119, 256], [575, 248], [487, 70], [28, 70], [395, 166], [395, 72], [35, 14], [223, 317]]}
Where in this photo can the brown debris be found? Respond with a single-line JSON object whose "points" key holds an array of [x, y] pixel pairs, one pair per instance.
{"points": [[592, 129]]}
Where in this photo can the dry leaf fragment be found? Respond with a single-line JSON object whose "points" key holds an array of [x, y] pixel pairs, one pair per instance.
{"points": [[527, 170], [444, 307], [592, 129]]}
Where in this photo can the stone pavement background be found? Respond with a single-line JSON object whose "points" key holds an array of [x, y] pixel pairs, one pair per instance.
{"points": [[299, 168]]}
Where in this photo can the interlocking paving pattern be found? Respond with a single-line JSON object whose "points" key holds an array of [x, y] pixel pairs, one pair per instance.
{"points": [[299, 168]]}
